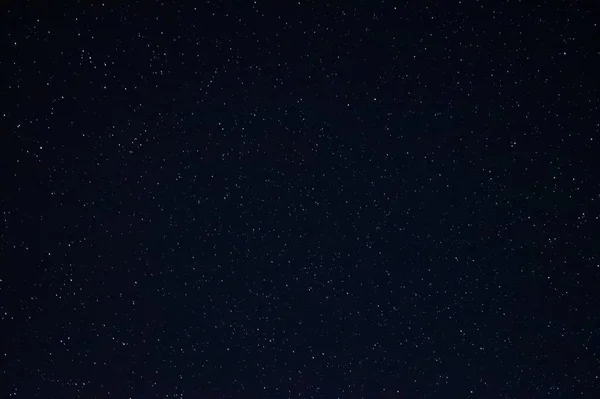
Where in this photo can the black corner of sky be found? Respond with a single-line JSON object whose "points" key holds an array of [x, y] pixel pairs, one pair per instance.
{"points": [[299, 199]]}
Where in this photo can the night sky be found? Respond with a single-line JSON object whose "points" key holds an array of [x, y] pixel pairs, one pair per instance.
{"points": [[299, 200]]}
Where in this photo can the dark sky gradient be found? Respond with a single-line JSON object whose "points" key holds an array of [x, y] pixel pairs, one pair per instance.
{"points": [[295, 200]]}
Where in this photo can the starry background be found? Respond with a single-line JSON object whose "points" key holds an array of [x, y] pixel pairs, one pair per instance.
{"points": [[294, 199]]}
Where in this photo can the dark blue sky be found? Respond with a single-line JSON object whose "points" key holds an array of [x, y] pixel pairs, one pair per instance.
{"points": [[293, 199]]}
